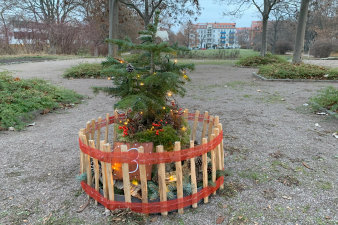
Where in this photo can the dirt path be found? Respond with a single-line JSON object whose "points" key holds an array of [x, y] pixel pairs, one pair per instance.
{"points": [[283, 169]]}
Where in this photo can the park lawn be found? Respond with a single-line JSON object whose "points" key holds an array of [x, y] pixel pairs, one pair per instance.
{"points": [[20, 58], [218, 53], [20, 99], [207, 61]]}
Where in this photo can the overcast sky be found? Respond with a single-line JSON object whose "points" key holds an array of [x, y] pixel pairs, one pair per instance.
{"points": [[211, 12]]}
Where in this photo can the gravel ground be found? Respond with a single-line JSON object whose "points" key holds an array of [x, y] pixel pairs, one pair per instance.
{"points": [[283, 168], [329, 63]]}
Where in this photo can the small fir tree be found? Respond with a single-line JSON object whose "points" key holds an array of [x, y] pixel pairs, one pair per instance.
{"points": [[147, 83]]}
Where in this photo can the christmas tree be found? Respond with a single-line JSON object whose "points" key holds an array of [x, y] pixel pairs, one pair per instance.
{"points": [[147, 83]]}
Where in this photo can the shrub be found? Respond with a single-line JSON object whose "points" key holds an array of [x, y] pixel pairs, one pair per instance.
{"points": [[282, 47], [254, 61], [85, 70], [19, 99], [298, 71], [322, 49], [327, 98]]}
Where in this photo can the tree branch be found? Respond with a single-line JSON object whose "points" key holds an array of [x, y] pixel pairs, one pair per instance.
{"points": [[133, 6]]}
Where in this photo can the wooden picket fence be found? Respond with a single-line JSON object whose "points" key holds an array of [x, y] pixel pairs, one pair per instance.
{"points": [[94, 139]]}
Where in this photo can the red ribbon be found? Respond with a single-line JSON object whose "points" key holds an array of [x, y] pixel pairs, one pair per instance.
{"points": [[154, 207]]}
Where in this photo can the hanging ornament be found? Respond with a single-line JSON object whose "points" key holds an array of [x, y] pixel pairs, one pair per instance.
{"points": [[129, 68]]}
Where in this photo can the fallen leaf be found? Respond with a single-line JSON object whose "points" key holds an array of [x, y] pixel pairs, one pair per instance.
{"points": [[45, 111], [286, 197], [225, 206], [82, 207], [220, 219], [327, 217], [304, 164]]}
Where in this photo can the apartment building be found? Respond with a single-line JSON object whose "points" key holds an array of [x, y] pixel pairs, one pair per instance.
{"points": [[214, 35]]}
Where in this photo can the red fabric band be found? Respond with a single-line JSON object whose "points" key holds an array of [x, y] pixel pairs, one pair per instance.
{"points": [[155, 207]]}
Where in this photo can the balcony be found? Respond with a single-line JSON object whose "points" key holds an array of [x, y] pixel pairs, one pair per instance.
{"points": [[223, 37], [223, 32]]}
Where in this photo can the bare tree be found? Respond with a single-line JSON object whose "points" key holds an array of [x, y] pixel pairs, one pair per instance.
{"points": [[264, 7], [172, 8], [299, 43], [53, 14], [6, 9]]}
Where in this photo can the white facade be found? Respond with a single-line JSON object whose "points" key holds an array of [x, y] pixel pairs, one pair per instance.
{"points": [[216, 35]]}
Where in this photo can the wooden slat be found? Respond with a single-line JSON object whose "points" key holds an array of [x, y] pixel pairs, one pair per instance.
{"points": [[87, 132], [143, 179], [96, 170], [179, 179], [205, 125], [213, 158], [92, 132], [125, 175], [88, 163], [98, 136], [220, 127], [221, 153], [104, 173], [116, 119], [216, 121], [193, 176], [194, 128], [107, 128], [186, 114], [82, 156], [161, 180], [211, 123], [205, 170], [110, 180]]}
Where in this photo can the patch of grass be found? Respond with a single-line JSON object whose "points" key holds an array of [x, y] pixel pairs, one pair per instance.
{"points": [[255, 61], [324, 185], [13, 174], [272, 98], [237, 84], [20, 98], [239, 219], [278, 163], [326, 98], [289, 180], [285, 70], [231, 189], [85, 70], [258, 177]]}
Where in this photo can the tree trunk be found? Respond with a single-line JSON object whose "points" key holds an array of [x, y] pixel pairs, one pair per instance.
{"points": [[113, 21], [6, 30], [115, 26], [299, 44], [264, 35]]}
